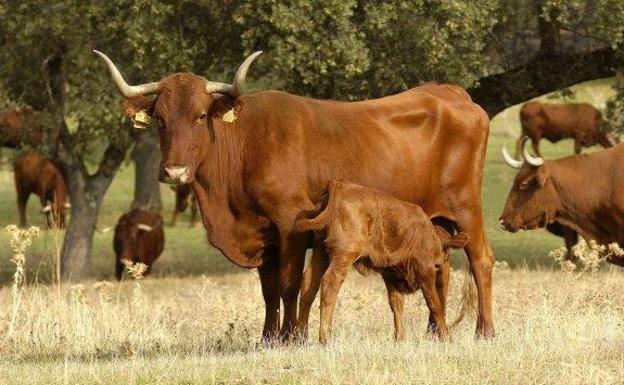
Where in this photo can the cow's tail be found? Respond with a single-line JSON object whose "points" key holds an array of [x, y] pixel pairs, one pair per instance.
{"points": [[468, 301], [318, 218]]}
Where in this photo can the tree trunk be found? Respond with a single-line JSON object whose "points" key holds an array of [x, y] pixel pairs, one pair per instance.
{"points": [[146, 169], [86, 193]]}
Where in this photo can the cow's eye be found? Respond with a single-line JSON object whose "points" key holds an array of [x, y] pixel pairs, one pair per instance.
{"points": [[202, 116], [524, 185]]}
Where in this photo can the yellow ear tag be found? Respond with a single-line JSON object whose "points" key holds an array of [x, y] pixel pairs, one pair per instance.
{"points": [[141, 119], [229, 116]]}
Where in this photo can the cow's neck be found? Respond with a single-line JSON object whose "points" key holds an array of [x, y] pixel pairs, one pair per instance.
{"points": [[221, 195], [579, 206]]}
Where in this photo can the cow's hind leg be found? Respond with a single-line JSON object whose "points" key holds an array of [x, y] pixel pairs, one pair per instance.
{"points": [[310, 286], [269, 280], [442, 285], [330, 285], [481, 265], [396, 299]]}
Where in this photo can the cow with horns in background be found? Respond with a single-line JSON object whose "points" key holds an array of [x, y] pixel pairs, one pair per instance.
{"points": [[558, 192], [555, 121], [35, 174], [139, 238], [256, 161]]}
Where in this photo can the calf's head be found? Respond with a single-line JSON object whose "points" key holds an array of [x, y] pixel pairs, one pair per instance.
{"points": [[183, 106], [533, 199]]}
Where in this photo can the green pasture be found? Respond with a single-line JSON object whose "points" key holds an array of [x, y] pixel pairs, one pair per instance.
{"points": [[187, 251]]}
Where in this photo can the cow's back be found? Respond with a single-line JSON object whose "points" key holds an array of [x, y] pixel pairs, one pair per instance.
{"points": [[411, 145], [556, 121]]}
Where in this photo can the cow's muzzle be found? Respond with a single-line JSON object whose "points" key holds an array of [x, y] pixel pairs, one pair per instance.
{"points": [[175, 174]]}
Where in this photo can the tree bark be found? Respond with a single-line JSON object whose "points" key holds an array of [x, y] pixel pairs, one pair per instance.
{"points": [[544, 74], [86, 193], [146, 169]]}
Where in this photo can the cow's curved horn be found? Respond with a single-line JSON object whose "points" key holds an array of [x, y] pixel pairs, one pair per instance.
{"points": [[67, 205], [235, 89], [124, 88], [511, 161], [144, 227], [533, 161], [47, 208]]}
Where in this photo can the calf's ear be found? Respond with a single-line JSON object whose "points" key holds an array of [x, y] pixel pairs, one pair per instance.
{"points": [[457, 241]]}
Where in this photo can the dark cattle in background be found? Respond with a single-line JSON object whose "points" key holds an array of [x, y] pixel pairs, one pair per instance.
{"points": [[256, 161], [376, 232], [34, 174], [554, 122], [15, 131], [580, 192], [139, 237], [569, 236], [184, 197]]}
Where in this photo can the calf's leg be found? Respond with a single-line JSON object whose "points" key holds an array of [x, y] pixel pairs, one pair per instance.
{"points": [[330, 285], [433, 303], [397, 303], [310, 286], [442, 285]]}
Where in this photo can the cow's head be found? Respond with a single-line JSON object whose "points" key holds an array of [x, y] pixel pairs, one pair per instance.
{"points": [[129, 239], [184, 105], [533, 200]]}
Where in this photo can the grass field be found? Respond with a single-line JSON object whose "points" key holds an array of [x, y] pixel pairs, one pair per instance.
{"points": [[198, 318]]}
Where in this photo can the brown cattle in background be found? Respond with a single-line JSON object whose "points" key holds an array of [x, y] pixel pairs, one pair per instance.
{"points": [[554, 122], [256, 161], [15, 130], [184, 197], [377, 232], [34, 174], [580, 192], [139, 237]]}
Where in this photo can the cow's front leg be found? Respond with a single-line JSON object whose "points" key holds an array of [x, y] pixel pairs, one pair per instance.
{"points": [[481, 264], [269, 280], [291, 263], [571, 239]]}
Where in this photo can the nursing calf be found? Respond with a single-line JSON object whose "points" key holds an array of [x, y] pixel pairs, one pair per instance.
{"points": [[377, 232]]}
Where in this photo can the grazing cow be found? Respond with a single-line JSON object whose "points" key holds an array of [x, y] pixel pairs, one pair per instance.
{"points": [[377, 232], [557, 191], [139, 237], [14, 130], [35, 174], [256, 161], [183, 198], [553, 122]]}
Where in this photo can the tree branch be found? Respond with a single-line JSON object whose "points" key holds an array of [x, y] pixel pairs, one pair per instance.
{"points": [[543, 74]]}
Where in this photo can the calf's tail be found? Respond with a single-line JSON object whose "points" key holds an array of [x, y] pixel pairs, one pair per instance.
{"points": [[317, 219]]}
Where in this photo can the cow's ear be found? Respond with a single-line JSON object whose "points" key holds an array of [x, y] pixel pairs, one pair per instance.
{"points": [[542, 176], [226, 108], [139, 110], [458, 241]]}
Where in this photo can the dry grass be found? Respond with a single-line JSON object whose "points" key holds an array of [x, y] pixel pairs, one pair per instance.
{"points": [[553, 328]]}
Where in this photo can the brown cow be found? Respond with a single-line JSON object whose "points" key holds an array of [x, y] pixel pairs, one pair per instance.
{"points": [[378, 232], [15, 130], [256, 161], [557, 191], [139, 237], [183, 198], [35, 174], [553, 122]]}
